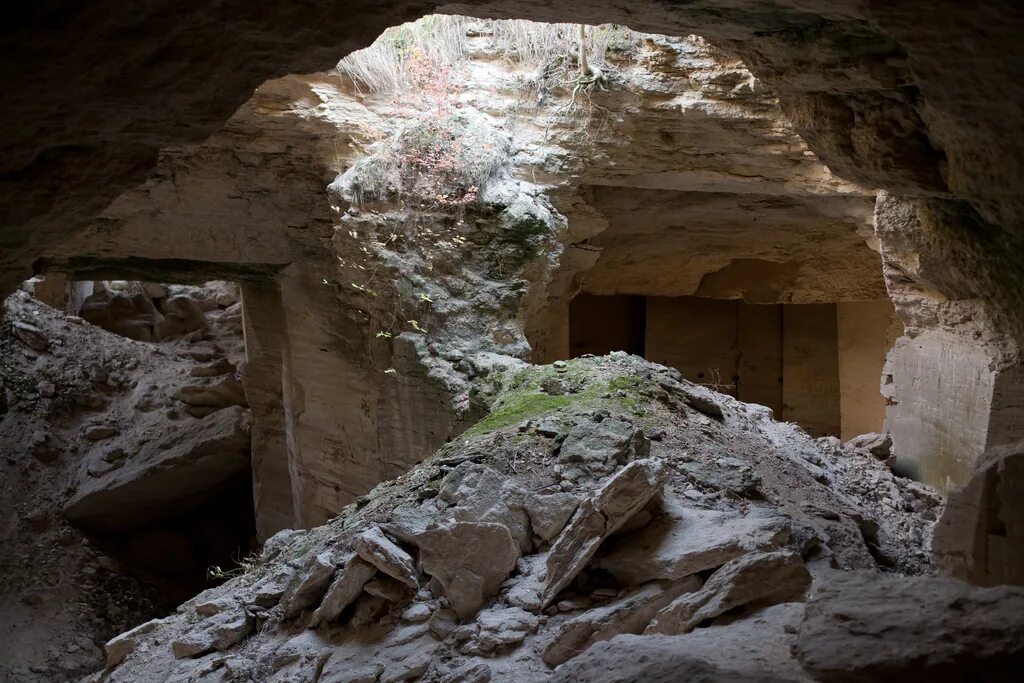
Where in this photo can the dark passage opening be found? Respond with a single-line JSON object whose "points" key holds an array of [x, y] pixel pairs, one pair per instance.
{"points": [[176, 553], [163, 481], [814, 364], [602, 324]]}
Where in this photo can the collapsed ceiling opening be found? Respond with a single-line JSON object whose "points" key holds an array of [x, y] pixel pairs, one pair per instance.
{"points": [[521, 204]]}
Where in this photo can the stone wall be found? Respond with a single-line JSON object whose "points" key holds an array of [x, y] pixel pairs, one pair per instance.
{"points": [[953, 382], [980, 536], [939, 403], [810, 368], [866, 330], [760, 363], [262, 378], [697, 336], [602, 324]]}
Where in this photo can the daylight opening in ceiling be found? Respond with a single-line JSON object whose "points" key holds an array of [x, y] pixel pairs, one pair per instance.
{"points": [[510, 345]]}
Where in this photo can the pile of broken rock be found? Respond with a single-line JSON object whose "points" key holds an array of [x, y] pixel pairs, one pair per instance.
{"points": [[644, 528], [99, 447]]}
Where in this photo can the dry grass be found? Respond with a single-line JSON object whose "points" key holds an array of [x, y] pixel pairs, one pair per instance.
{"points": [[440, 157], [381, 67], [551, 48], [537, 44]]}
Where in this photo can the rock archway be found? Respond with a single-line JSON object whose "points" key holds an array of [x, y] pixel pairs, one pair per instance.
{"points": [[909, 99]]}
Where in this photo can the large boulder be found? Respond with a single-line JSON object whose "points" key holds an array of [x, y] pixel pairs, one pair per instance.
{"points": [[344, 589], [756, 579], [377, 549], [754, 649], [681, 540], [309, 585], [864, 626], [181, 468], [470, 560], [144, 311], [597, 518], [29, 335], [595, 448], [980, 536], [126, 310], [481, 494], [629, 614], [204, 397], [182, 315]]}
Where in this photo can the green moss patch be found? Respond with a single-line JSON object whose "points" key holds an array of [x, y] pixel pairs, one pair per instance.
{"points": [[517, 407], [582, 384]]}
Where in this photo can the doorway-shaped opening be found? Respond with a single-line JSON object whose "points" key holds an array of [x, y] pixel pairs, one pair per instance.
{"points": [[818, 365], [189, 551], [156, 446], [601, 324]]}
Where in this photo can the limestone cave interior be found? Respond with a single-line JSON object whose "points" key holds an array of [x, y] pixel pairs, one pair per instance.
{"points": [[512, 341]]}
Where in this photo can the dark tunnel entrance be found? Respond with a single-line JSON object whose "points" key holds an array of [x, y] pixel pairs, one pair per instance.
{"points": [[818, 365], [161, 474]]}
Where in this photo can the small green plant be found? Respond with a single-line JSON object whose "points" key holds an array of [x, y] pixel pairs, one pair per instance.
{"points": [[516, 408], [242, 566]]}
